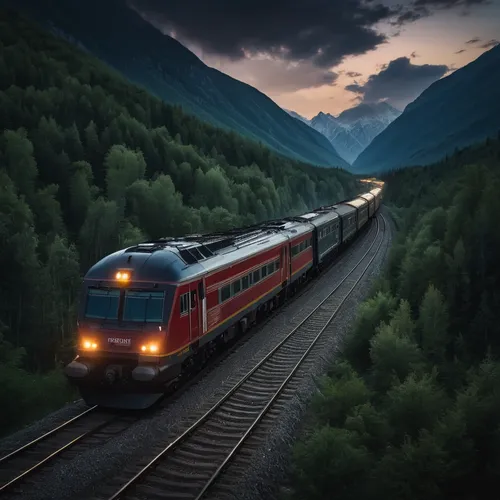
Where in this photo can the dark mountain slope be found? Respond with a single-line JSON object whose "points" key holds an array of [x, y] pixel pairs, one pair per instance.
{"points": [[119, 36], [454, 112]]}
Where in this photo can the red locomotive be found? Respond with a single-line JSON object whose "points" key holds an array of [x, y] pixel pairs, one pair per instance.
{"points": [[152, 311]]}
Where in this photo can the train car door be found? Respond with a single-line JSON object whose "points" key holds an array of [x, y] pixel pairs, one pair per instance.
{"points": [[194, 312], [202, 313], [283, 275]]}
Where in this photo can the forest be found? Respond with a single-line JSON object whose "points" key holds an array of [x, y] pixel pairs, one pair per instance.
{"points": [[90, 163], [410, 409]]}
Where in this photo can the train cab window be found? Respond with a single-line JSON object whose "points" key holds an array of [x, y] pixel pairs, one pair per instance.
{"points": [[184, 303], [245, 282], [225, 293], [236, 287], [102, 304], [144, 307]]}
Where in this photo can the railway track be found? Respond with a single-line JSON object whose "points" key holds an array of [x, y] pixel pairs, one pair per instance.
{"points": [[91, 427], [194, 463]]}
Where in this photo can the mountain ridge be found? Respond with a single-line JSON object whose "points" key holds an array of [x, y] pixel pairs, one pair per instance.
{"points": [[443, 118], [178, 76]]}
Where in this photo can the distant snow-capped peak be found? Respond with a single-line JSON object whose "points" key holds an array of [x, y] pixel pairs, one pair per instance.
{"points": [[354, 129]]}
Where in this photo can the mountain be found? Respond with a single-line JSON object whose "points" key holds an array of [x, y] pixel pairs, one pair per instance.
{"points": [[454, 112], [123, 39], [299, 117], [380, 112], [354, 129]]}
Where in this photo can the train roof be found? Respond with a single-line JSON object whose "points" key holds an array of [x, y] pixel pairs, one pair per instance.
{"points": [[343, 209], [183, 258], [320, 216], [357, 202], [376, 191], [368, 196]]}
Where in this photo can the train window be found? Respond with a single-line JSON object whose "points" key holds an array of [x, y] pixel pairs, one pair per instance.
{"points": [[256, 276], [277, 265], [245, 282], [143, 307], [236, 287], [102, 304], [193, 299], [225, 293], [270, 268], [263, 271], [184, 303]]}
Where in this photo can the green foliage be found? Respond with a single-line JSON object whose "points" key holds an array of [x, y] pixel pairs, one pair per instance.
{"points": [[393, 357], [370, 314], [419, 393], [89, 164], [332, 461]]}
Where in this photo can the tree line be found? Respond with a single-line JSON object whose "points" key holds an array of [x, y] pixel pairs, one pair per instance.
{"points": [[411, 408], [90, 163]]}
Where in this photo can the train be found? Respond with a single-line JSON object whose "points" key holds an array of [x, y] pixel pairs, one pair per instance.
{"points": [[151, 313]]}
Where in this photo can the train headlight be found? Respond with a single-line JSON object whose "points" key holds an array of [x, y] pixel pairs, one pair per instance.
{"points": [[122, 276], [150, 348], [89, 345]]}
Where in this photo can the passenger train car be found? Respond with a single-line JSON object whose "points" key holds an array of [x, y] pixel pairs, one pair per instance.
{"points": [[152, 312]]}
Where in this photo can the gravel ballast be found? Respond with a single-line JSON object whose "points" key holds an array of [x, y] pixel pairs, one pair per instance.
{"points": [[78, 475]]}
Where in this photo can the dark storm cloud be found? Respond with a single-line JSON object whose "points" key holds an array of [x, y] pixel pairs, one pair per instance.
{"points": [[424, 8], [449, 4], [489, 45], [410, 16], [320, 31], [399, 83], [353, 74], [472, 41]]}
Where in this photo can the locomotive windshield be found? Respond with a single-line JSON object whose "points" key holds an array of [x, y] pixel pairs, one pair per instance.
{"points": [[138, 306], [102, 304], [146, 307]]}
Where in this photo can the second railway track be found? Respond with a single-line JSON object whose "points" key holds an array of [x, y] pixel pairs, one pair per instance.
{"points": [[88, 428], [191, 465]]}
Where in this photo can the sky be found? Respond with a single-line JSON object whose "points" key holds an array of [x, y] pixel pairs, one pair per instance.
{"points": [[330, 55]]}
